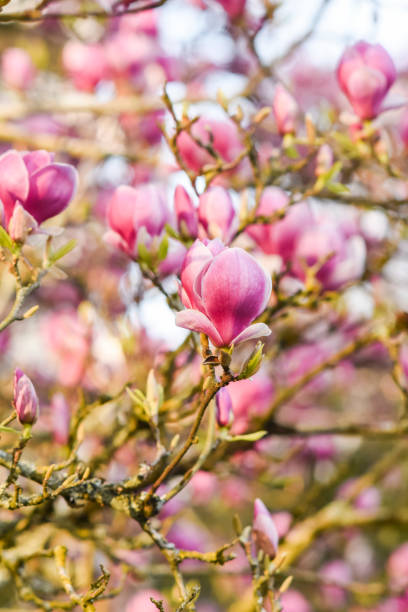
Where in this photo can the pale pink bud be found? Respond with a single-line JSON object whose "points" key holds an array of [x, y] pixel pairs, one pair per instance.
{"points": [[42, 187], [17, 68], [216, 213], [224, 290], [365, 74], [264, 530], [224, 408], [286, 109], [25, 399], [186, 213], [85, 64], [21, 224]]}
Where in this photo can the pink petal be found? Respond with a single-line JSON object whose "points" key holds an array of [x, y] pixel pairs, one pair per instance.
{"points": [[257, 330], [34, 160], [235, 290], [197, 321], [14, 182], [51, 189]]}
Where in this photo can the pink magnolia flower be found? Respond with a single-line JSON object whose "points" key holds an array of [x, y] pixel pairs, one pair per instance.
{"points": [[339, 258], [222, 135], [17, 68], [216, 213], [285, 109], [186, 213], [25, 399], [133, 208], [233, 8], [86, 64], [32, 179], [224, 290], [365, 74], [142, 601], [138, 215], [280, 237], [264, 530], [70, 339]]}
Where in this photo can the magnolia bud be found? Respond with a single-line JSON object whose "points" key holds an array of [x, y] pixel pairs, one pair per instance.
{"points": [[185, 212], [224, 411], [264, 530], [25, 399]]}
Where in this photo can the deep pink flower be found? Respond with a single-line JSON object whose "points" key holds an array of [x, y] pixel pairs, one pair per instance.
{"points": [[25, 399], [42, 187], [186, 212], [222, 135], [216, 213], [233, 8], [132, 208], [285, 109], [365, 74], [224, 290], [264, 530], [17, 68]]}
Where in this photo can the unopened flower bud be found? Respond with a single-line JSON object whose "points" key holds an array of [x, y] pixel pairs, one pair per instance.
{"points": [[286, 109], [223, 404], [264, 530], [25, 399], [185, 212]]}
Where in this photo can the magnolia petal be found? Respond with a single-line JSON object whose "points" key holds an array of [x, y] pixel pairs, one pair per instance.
{"points": [[51, 190], [34, 160], [235, 290], [14, 181], [257, 330], [197, 321]]}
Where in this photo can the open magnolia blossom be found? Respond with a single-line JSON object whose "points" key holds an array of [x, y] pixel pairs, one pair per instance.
{"points": [[33, 188], [224, 290]]}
